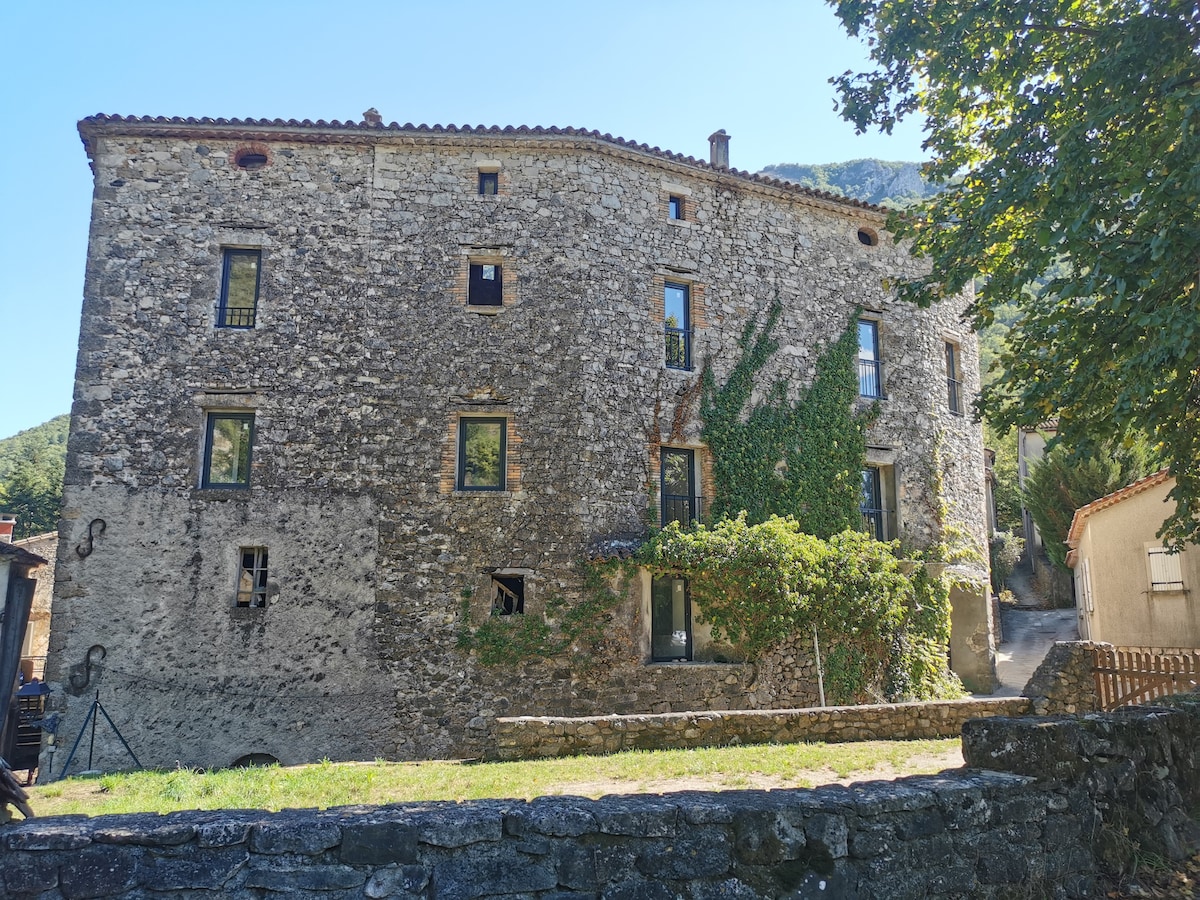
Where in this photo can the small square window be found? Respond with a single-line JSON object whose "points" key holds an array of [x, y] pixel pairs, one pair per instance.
{"points": [[252, 578], [238, 306], [489, 183], [482, 445], [485, 285], [508, 597], [677, 325], [675, 207], [227, 441]]}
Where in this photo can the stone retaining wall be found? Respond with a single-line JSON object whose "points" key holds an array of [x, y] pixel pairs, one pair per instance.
{"points": [[528, 737], [1076, 794]]}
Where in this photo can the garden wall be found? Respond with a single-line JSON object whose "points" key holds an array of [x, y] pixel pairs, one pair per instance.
{"points": [[529, 737], [1066, 796]]}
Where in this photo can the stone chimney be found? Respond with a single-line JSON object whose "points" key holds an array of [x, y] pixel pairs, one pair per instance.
{"points": [[718, 149], [372, 117], [7, 524]]}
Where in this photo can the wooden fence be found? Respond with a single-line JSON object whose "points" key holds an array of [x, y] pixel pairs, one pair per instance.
{"points": [[1131, 677]]}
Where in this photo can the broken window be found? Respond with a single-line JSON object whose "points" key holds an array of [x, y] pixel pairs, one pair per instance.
{"points": [[508, 595], [238, 306], [484, 285], [252, 578]]}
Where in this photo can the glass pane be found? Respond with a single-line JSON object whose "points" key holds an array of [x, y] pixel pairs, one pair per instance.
{"points": [[675, 305], [229, 450], [867, 342], [242, 286], [670, 624], [677, 472], [483, 459]]}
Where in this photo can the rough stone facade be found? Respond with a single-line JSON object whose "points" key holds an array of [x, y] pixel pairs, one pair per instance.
{"points": [[37, 632], [1047, 806], [363, 361]]}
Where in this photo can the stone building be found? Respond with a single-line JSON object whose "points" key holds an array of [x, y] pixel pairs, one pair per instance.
{"points": [[344, 388]]}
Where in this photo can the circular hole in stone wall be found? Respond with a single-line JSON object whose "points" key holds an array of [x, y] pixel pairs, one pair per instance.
{"points": [[868, 236]]}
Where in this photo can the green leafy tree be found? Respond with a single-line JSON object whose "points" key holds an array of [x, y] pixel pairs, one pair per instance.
{"points": [[1061, 483], [1067, 134], [31, 476]]}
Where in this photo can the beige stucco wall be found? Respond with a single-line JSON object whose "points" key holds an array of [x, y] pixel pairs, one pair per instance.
{"points": [[1123, 610]]}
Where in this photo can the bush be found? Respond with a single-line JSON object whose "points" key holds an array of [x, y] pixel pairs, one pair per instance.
{"points": [[1004, 550]]}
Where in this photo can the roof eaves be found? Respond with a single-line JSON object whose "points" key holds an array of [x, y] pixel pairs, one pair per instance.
{"points": [[1075, 532]]}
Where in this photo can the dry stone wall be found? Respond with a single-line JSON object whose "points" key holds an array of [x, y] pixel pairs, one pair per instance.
{"points": [[362, 359], [1056, 802]]}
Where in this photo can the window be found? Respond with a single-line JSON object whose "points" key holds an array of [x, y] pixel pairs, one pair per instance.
{"points": [[484, 285], [1165, 571], [509, 595], [227, 442], [953, 382], [489, 183], [239, 289], [876, 517], [670, 619], [481, 454], [674, 207], [677, 319], [678, 485], [252, 578], [870, 379]]}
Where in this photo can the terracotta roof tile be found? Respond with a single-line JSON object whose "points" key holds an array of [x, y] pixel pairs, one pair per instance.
{"points": [[1079, 519], [101, 123]]}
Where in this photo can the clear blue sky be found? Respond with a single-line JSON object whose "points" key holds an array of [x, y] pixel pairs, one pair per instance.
{"points": [[664, 72]]}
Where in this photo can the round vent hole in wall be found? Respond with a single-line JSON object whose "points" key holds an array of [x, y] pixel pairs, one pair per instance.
{"points": [[868, 236], [250, 159]]}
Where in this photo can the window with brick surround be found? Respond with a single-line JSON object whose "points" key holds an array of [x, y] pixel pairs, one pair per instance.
{"points": [[228, 439], [252, 577], [677, 476], [485, 285], [674, 207], [677, 325], [489, 183], [482, 454], [238, 304]]}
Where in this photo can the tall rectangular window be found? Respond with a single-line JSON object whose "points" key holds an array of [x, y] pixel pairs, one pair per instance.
{"points": [[227, 441], [954, 398], [870, 380], [485, 285], [675, 207], [872, 506], [1165, 572], [252, 577], [677, 324], [238, 306], [678, 488], [482, 445], [670, 619]]}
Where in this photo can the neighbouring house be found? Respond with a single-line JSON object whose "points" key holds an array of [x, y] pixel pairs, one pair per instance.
{"points": [[21, 584], [37, 632], [1130, 590], [345, 389], [1031, 449]]}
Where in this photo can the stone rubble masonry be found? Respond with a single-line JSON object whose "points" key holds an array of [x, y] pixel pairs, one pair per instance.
{"points": [[1044, 806], [533, 737], [362, 360]]}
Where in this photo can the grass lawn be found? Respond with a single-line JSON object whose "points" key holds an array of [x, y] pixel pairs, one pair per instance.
{"points": [[329, 784]]}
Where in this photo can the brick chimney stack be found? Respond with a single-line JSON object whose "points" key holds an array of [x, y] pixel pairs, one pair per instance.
{"points": [[7, 524], [718, 149]]}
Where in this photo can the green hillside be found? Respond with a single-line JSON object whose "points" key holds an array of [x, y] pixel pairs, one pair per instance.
{"points": [[893, 184], [31, 475]]}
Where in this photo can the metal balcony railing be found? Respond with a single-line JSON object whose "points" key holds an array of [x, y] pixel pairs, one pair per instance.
{"points": [[682, 509], [877, 523], [679, 347], [954, 395], [870, 378]]}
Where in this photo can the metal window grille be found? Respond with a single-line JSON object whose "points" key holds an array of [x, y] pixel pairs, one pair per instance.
{"points": [[1165, 571], [252, 578], [240, 276]]}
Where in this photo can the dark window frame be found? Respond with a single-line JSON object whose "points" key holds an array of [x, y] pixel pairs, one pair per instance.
{"points": [[489, 180], [678, 338], [870, 369], [675, 208], [482, 291], [255, 596], [240, 317], [954, 398], [678, 507], [460, 476], [242, 483], [875, 518], [667, 651]]}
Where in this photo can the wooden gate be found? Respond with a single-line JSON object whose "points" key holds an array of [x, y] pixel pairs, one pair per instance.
{"points": [[1130, 677]]}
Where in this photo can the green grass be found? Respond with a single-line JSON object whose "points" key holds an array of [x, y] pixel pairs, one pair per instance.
{"points": [[329, 784]]}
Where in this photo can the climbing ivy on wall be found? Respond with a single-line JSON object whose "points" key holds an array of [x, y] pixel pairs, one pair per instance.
{"points": [[818, 437]]}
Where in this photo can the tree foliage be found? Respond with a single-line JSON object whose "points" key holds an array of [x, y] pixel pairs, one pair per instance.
{"points": [[32, 464], [884, 622], [1061, 483], [1068, 135]]}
